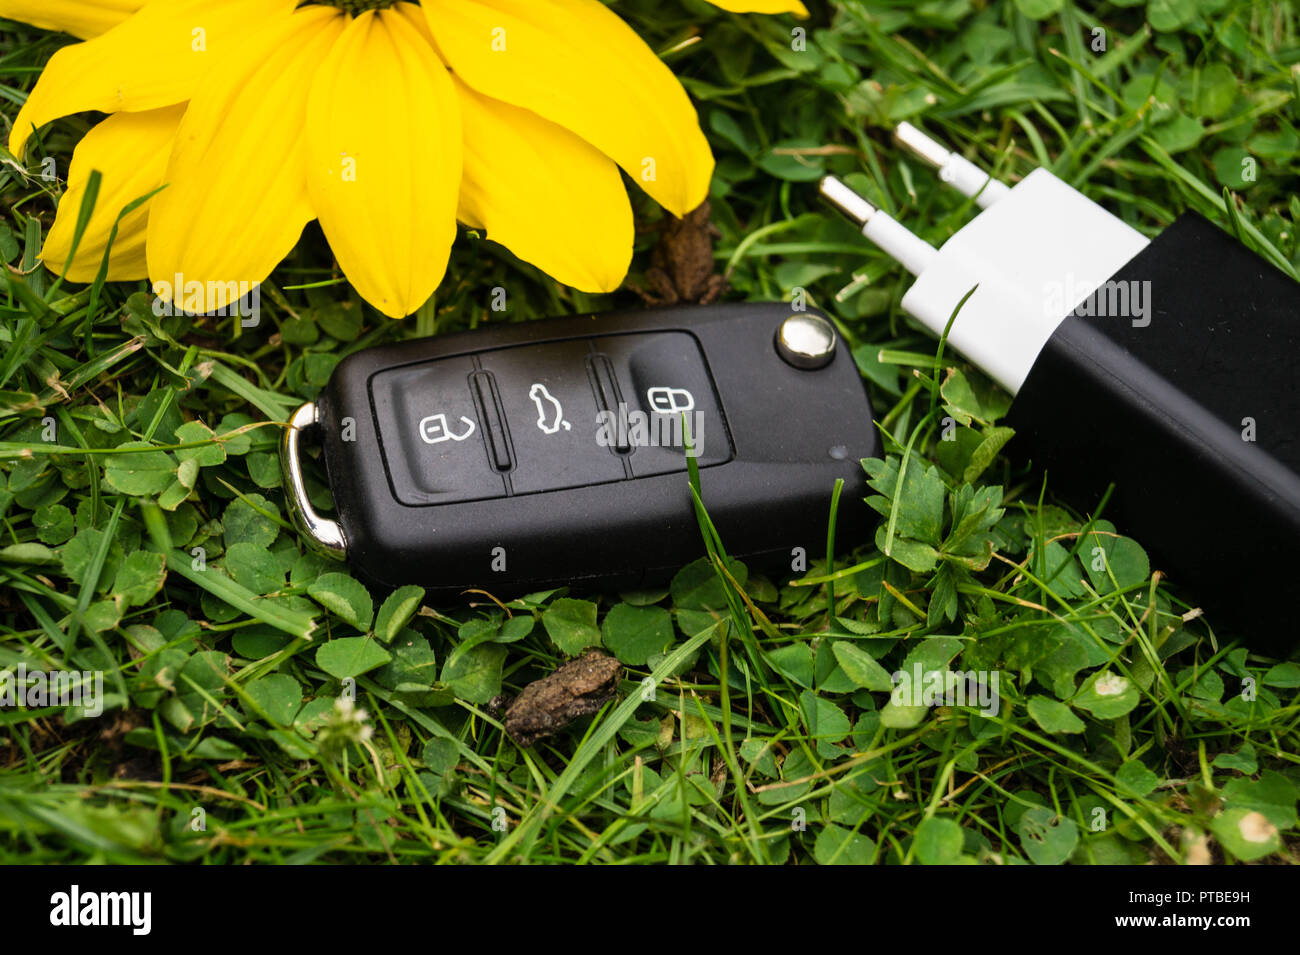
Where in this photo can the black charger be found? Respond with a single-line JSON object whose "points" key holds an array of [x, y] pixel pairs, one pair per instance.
{"points": [[1165, 366]]}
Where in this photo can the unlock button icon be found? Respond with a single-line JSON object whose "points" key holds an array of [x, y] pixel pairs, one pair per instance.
{"points": [[434, 429]]}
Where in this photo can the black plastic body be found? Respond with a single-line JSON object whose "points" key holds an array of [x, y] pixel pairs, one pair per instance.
{"points": [[767, 482], [1165, 410]]}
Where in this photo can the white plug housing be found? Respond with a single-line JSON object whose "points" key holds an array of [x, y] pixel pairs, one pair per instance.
{"points": [[1035, 254]]}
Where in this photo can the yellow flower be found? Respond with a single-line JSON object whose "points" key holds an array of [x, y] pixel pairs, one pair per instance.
{"points": [[387, 121]]}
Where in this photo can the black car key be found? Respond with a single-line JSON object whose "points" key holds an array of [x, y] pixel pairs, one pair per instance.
{"points": [[522, 456]]}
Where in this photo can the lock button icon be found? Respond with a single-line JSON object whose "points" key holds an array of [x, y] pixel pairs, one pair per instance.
{"points": [[665, 400]]}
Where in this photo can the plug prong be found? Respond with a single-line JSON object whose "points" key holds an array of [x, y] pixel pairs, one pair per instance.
{"points": [[930, 151], [854, 206], [960, 173], [893, 238]]}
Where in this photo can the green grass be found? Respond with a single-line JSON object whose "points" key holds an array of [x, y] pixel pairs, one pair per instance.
{"points": [[218, 744]]}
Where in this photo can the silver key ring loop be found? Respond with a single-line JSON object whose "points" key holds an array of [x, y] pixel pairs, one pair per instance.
{"points": [[325, 535]]}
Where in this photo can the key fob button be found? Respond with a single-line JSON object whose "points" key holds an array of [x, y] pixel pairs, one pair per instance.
{"points": [[663, 375], [551, 412], [432, 434], [806, 341]]}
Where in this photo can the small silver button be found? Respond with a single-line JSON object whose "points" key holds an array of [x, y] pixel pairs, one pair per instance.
{"points": [[806, 341]]}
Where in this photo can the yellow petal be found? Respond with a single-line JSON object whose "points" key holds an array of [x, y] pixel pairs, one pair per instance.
{"points": [[384, 160], [577, 64], [762, 6], [155, 58], [130, 151], [236, 199], [551, 198], [83, 18]]}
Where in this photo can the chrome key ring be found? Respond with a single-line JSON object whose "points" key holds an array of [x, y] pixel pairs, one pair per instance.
{"points": [[324, 535]]}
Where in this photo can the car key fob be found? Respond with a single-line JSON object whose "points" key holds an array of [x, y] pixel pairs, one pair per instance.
{"points": [[517, 457]]}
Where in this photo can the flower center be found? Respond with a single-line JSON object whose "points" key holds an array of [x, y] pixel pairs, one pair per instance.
{"points": [[355, 7]]}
